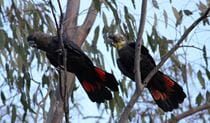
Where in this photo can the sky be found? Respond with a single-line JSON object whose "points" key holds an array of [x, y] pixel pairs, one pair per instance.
{"points": [[198, 39]]}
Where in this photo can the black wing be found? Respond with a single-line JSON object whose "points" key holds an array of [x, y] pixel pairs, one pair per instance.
{"points": [[144, 51], [122, 68], [73, 49]]}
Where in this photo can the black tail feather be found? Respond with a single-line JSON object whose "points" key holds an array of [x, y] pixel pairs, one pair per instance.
{"points": [[99, 85], [111, 82], [169, 98]]}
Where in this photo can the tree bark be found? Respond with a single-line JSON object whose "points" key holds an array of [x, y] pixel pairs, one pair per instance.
{"points": [[77, 35]]}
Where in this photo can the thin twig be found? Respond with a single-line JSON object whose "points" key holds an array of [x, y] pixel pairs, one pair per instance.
{"points": [[56, 108], [139, 86], [60, 8], [93, 117], [53, 13], [63, 86], [60, 37], [189, 112], [191, 46]]}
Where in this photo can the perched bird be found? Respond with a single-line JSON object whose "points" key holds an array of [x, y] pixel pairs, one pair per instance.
{"points": [[97, 83], [165, 91]]}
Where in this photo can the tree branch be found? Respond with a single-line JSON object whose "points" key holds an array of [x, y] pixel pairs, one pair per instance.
{"points": [[53, 13], [87, 24], [63, 81], [191, 46], [138, 46], [72, 11], [71, 17], [71, 31], [90, 17], [189, 112], [139, 86]]}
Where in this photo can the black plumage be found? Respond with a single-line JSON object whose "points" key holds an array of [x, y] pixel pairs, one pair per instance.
{"points": [[165, 91], [97, 83]]}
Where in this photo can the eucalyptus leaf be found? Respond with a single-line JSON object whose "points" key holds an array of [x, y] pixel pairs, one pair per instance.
{"points": [[201, 79], [199, 99], [187, 12], [205, 55], [3, 98], [14, 115], [165, 18], [155, 4]]}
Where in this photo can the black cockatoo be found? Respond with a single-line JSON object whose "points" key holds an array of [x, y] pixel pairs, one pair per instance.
{"points": [[97, 83], [165, 91]]}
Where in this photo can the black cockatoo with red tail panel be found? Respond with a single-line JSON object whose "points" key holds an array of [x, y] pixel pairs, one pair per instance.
{"points": [[167, 93], [96, 82]]}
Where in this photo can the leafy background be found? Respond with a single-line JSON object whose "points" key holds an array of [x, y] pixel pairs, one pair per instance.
{"points": [[27, 77]]}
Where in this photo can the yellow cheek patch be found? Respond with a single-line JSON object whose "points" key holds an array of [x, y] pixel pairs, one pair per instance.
{"points": [[119, 44]]}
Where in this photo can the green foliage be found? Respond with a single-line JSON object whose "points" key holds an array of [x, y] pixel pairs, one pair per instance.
{"points": [[205, 55], [14, 115], [18, 19], [19, 64], [3, 98], [165, 18], [201, 79], [199, 99], [97, 4], [155, 4], [207, 96], [178, 15], [207, 73], [187, 12]]}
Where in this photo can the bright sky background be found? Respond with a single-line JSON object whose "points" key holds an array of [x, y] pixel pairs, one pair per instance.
{"points": [[199, 38], [90, 109]]}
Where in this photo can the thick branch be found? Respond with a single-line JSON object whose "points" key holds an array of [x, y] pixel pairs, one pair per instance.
{"points": [[138, 46], [70, 20], [71, 31], [90, 17], [139, 86], [72, 12], [190, 112], [88, 23]]}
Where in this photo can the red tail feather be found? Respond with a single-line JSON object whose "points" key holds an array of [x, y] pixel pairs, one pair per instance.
{"points": [[98, 84], [158, 95], [168, 94], [101, 73], [168, 81], [90, 87]]}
